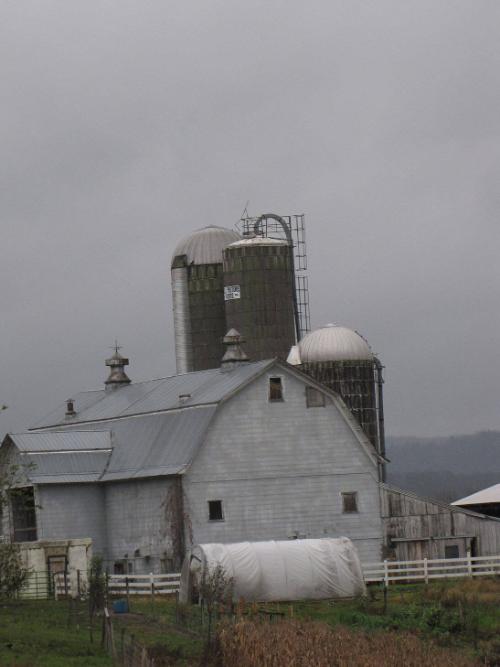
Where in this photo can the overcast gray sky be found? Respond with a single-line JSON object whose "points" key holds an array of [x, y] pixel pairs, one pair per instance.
{"points": [[125, 125]]}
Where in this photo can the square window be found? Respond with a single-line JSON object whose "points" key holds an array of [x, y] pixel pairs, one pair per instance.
{"points": [[119, 567], [275, 389], [314, 398], [215, 510], [349, 502], [451, 551]]}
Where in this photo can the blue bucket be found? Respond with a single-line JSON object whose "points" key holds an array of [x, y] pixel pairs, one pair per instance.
{"points": [[120, 607]]}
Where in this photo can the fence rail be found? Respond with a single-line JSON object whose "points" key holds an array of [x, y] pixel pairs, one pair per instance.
{"points": [[144, 584], [427, 569], [74, 583]]}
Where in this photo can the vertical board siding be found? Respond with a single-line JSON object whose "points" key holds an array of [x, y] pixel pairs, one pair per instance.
{"points": [[430, 526], [139, 517]]}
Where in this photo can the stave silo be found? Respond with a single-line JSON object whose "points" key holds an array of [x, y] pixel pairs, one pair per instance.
{"points": [[198, 298], [259, 295], [341, 359]]}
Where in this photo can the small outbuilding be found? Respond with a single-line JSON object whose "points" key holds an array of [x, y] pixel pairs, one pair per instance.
{"points": [[285, 570]]}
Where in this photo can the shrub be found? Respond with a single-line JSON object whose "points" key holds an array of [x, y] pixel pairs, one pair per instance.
{"points": [[13, 573]]}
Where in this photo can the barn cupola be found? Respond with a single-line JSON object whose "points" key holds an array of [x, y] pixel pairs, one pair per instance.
{"points": [[234, 355], [117, 377]]}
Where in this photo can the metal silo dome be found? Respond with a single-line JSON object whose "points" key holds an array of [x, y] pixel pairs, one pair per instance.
{"points": [[334, 343], [205, 245], [198, 298], [342, 359]]}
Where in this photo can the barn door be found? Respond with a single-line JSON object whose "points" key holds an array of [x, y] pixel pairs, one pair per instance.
{"points": [[57, 566]]}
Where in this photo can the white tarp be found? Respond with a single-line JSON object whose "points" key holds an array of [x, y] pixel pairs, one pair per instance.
{"points": [[287, 570]]}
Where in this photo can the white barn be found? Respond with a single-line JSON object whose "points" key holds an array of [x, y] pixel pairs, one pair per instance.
{"points": [[249, 451]]}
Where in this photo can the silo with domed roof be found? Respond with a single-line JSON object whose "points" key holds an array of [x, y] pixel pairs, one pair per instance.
{"points": [[342, 359], [198, 298]]}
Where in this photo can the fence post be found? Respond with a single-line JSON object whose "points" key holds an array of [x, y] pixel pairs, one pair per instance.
{"points": [[127, 592], [426, 571], [386, 573], [151, 578], [469, 563], [66, 583]]}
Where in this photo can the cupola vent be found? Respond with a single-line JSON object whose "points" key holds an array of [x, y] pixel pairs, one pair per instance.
{"points": [[117, 377]]}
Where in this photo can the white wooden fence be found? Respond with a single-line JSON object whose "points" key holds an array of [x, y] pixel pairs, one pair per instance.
{"points": [[143, 584], [426, 570], [388, 571]]}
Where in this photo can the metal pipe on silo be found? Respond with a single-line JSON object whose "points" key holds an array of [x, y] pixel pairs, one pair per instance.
{"points": [[182, 319], [380, 410], [288, 234]]}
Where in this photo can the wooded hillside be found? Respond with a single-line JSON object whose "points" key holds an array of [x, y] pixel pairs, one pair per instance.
{"points": [[444, 468]]}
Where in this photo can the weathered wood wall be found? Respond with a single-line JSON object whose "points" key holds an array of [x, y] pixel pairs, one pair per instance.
{"points": [[416, 528]]}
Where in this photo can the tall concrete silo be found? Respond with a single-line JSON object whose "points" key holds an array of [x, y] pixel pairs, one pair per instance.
{"points": [[342, 359], [198, 298], [259, 284]]}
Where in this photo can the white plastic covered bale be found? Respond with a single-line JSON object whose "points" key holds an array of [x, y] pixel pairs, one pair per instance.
{"points": [[287, 570]]}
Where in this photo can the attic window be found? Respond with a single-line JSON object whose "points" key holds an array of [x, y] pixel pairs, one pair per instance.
{"points": [[215, 510], [314, 398], [275, 389], [349, 502]]}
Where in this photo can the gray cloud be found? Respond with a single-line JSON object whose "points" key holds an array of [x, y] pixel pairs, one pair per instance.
{"points": [[126, 124]]}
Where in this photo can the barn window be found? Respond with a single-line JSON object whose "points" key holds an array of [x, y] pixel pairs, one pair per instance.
{"points": [[451, 551], [275, 389], [23, 514], [119, 567], [215, 510], [314, 398], [349, 502]]}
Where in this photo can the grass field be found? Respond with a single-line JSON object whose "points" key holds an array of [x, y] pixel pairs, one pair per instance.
{"points": [[459, 619], [36, 634]]}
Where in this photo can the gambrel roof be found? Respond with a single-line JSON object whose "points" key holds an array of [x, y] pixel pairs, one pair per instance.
{"points": [[146, 429], [198, 388]]}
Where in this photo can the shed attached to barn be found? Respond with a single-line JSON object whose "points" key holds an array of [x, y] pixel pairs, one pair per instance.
{"points": [[417, 528], [486, 501]]}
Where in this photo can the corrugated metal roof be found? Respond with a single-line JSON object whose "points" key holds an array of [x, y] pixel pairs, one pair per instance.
{"points": [[203, 388], [149, 430], [146, 446], [483, 497], [157, 444], [67, 440], [57, 466]]}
